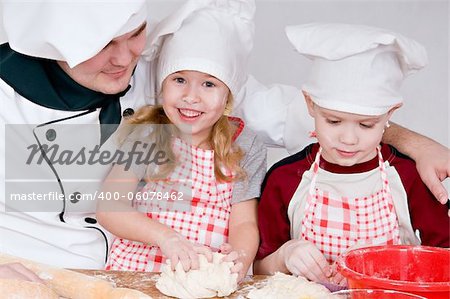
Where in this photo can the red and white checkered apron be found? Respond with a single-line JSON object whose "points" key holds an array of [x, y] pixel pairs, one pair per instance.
{"points": [[202, 217], [334, 223]]}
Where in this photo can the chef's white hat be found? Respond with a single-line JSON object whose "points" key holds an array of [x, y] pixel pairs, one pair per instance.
{"points": [[215, 37], [356, 69], [72, 31]]}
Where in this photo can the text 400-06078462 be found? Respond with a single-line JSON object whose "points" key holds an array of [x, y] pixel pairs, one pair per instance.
{"points": [[141, 196]]}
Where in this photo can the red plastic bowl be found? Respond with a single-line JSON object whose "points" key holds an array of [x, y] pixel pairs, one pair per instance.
{"points": [[420, 270]]}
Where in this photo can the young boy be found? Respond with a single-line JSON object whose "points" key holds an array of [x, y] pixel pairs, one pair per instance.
{"points": [[347, 190]]}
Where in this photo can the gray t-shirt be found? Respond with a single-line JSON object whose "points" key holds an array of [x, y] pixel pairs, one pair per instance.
{"points": [[253, 162]]}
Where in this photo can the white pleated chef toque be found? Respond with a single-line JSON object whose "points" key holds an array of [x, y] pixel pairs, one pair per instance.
{"points": [[355, 68], [213, 37]]}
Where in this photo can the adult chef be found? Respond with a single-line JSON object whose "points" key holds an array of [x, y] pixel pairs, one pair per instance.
{"points": [[90, 52], [69, 66]]}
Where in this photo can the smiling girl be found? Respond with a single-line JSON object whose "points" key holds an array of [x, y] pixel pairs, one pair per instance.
{"points": [[204, 197]]}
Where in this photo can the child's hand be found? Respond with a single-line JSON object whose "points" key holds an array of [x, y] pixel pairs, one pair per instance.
{"points": [[178, 249], [233, 256], [302, 258], [338, 279]]}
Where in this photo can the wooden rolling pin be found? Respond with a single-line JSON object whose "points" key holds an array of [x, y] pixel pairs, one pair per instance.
{"points": [[69, 284]]}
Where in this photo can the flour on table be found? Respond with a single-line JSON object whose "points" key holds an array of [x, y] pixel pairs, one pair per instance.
{"points": [[210, 280], [283, 286], [45, 276]]}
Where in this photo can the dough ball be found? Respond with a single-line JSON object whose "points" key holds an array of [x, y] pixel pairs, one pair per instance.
{"points": [[210, 280], [281, 286]]}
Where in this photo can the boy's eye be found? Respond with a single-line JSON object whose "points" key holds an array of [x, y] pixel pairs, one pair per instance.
{"points": [[332, 121], [209, 84], [179, 80], [366, 126]]}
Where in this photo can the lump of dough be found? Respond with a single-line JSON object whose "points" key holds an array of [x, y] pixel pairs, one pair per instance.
{"points": [[210, 280], [21, 289], [283, 286]]}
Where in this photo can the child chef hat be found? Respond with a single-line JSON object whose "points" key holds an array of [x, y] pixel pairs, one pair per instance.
{"points": [[356, 69], [72, 31], [215, 39]]}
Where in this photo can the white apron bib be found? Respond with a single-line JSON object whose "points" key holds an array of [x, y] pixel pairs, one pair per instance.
{"points": [[335, 223]]}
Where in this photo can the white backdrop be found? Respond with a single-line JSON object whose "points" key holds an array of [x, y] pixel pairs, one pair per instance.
{"points": [[426, 109]]}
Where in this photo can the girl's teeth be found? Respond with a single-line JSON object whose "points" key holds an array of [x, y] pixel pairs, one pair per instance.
{"points": [[190, 113]]}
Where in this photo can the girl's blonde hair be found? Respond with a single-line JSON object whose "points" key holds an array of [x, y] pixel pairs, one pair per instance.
{"points": [[227, 155]]}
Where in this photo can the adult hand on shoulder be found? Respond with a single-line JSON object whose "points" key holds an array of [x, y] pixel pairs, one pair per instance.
{"points": [[432, 159], [178, 249], [433, 165], [302, 258], [233, 256], [19, 272]]}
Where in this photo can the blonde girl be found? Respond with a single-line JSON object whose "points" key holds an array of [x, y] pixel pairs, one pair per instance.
{"points": [[208, 176]]}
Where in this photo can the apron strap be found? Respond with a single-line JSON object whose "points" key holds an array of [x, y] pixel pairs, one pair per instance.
{"points": [[315, 171], [383, 173]]}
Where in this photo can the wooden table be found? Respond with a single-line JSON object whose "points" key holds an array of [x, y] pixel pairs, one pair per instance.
{"points": [[145, 282]]}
